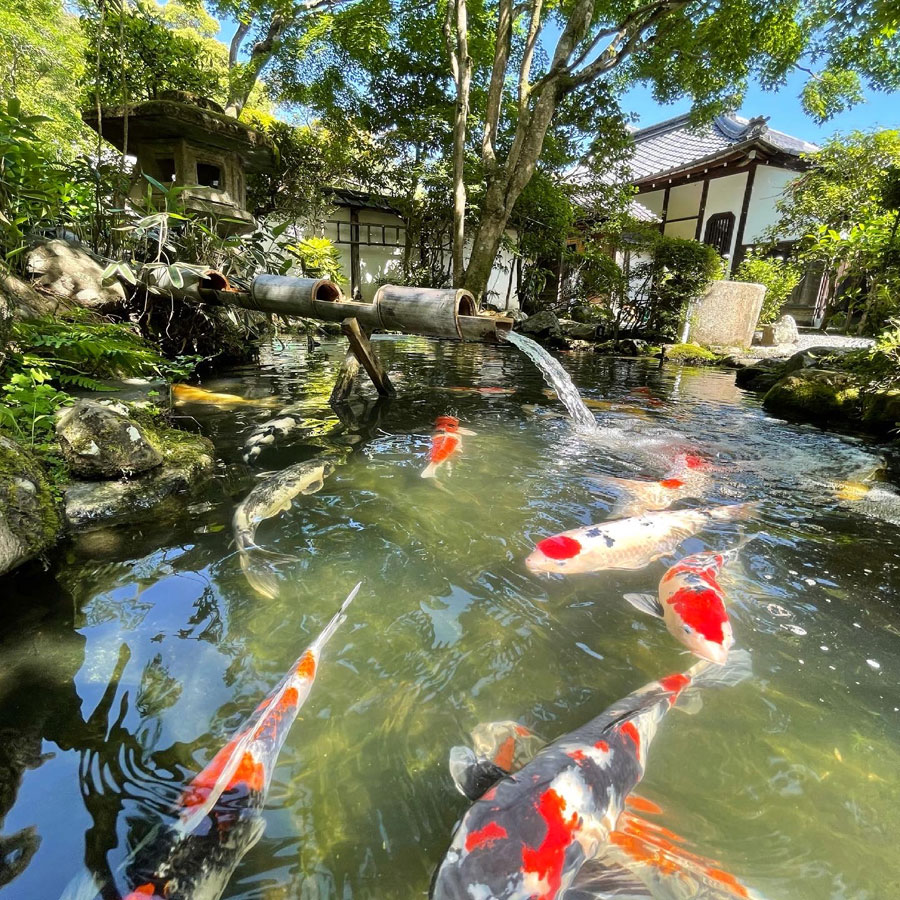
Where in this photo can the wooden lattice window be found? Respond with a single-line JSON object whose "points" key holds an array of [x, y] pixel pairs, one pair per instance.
{"points": [[719, 229]]}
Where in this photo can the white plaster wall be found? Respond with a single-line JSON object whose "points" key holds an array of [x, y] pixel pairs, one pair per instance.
{"points": [[768, 189], [725, 195], [684, 200], [653, 200]]}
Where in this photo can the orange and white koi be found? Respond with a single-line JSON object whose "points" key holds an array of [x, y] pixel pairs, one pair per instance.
{"points": [[446, 442], [627, 543], [692, 604], [687, 477], [535, 833], [220, 810]]}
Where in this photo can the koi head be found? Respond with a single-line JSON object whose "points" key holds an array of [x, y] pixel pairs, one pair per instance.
{"points": [[446, 423], [553, 553], [695, 616]]}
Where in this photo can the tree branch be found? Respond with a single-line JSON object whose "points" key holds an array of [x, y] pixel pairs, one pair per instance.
{"points": [[236, 41], [534, 29], [502, 48]]}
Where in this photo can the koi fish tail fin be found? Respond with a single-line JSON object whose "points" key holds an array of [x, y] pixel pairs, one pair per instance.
{"points": [[472, 775], [732, 553], [705, 675], [260, 576], [429, 470], [336, 621], [82, 887]]}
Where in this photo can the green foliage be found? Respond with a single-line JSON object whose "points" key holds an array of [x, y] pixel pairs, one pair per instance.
{"points": [[140, 55], [44, 356], [36, 190], [318, 257], [779, 275], [41, 53], [679, 271]]}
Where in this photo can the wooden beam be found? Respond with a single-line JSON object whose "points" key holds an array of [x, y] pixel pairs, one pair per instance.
{"points": [[665, 209], [362, 349], [703, 194], [745, 209], [355, 279]]}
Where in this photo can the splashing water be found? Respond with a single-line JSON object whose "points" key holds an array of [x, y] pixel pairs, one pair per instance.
{"points": [[557, 378]]}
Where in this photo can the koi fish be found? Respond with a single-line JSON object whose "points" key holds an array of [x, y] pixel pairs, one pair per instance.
{"points": [[604, 405], [532, 834], [692, 604], [627, 543], [219, 812], [866, 495], [479, 390], [269, 498], [688, 477], [186, 393], [446, 442], [641, 860]]}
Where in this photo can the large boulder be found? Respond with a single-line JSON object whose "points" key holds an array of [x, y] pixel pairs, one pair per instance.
{"points": [[784, 331], [102, 441], [822, 396], [541, 326], [577, 331], [29, 519], [72, 273], [18, 299], [760, 376], [188, 461]]}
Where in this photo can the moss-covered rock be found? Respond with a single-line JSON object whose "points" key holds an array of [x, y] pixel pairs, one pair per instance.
{"points": [[30, 522], [187, 461], [881, 411], [691, 355], [760, 376], [102, 441], [822, 396]]}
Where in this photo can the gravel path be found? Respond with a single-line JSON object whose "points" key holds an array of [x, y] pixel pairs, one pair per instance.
{"points": [[809, 337]]}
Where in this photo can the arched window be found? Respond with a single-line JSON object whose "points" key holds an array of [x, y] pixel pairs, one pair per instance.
{"points": [[719, 229]]}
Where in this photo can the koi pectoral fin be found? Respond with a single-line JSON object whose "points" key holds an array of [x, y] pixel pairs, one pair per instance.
{"points": [[466, 432], [472, 776], [600, 879], [646, 603]]}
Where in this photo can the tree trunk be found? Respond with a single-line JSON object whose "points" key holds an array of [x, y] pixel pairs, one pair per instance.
{"points": [[461, 67]]}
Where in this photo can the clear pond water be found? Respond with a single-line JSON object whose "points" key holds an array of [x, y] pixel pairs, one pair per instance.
{"points": [[129, 663]]}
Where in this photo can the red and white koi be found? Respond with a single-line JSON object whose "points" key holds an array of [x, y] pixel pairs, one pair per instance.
{"points": [[627, 543], [220, 810], [446, 442], [530, 835], [692, 604], [687, 477]]}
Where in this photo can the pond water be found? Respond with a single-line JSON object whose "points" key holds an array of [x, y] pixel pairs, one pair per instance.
{"points": [[127, 665]]}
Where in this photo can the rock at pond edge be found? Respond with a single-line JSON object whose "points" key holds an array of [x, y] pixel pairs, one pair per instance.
{"points": [[30, 522]]}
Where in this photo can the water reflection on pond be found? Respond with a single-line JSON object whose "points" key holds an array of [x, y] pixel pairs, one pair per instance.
{"points": [[124, 668]]}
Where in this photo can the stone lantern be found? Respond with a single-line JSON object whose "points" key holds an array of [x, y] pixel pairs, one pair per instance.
{"points": [[182, 140]]}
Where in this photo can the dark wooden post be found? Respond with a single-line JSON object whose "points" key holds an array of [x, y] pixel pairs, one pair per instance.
{"points": [[699, 230], [665, 209], [745, 209]]}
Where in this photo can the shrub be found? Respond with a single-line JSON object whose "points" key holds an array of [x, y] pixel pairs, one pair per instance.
{"points": [[780, 276]]}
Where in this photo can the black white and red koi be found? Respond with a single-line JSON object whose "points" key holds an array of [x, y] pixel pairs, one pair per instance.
{"points": [[692, 604], [220, 810], [630, 543], [531, 834]]}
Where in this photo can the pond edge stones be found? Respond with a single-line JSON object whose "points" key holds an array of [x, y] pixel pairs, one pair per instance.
{"points": [[30, 521]]}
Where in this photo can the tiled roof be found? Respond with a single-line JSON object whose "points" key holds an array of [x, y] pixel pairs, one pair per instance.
{"points": [[674, 144]]}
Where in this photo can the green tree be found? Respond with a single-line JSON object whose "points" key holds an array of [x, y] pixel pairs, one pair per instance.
{"points": [[847, 207], [41, 53]]}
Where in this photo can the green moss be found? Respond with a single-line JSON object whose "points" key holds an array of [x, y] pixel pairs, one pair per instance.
{"points": [[178, 448], [33, 516], [691, 354], [816, 395]]}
